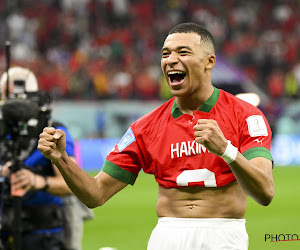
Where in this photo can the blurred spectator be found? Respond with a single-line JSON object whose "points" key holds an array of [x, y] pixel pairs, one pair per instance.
{"points": [[122, 85], [290, 85], [146, 87], [296, 71], [275, 84], [100, 84]]}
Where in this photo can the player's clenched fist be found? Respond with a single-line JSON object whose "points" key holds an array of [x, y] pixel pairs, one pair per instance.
{"points": [[52, 143], [209, 134]]}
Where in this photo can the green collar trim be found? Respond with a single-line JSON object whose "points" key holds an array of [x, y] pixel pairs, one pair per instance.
{"points": [[206, 107]]}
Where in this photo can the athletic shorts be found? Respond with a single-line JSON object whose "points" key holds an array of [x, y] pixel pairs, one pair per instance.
{"points": [[196, 234]]}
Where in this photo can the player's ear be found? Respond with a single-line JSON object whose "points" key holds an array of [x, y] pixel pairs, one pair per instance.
{"points": [[210, 61]]}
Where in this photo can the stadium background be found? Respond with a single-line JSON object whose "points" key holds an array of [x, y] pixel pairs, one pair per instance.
{"points": [[100, 61]]}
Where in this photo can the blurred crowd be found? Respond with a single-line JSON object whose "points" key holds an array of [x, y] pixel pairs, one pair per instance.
{"points": [[104, 49]]}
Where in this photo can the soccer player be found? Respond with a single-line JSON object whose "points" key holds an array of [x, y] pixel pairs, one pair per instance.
{"points": [[207, 149]]}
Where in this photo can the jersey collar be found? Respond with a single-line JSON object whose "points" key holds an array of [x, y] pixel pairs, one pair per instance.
{"points": [[206, 107]]}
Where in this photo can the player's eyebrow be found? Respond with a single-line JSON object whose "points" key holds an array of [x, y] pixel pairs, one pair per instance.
{"points": [[178, 48]]}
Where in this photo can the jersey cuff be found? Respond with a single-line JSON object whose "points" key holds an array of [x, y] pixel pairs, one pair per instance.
{"points": [[257, 152], [118, 172]]}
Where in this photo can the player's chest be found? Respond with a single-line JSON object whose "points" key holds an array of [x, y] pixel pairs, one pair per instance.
{"points": [[176, 141]]}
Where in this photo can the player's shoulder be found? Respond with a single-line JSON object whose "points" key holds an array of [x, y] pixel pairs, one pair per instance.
{"points": [[238, 105], [155, 117]]}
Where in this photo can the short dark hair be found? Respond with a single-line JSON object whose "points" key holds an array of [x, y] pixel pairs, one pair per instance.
{"points": [[205, 35]]}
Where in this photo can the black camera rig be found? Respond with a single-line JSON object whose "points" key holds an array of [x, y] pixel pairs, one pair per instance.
{"points": [[23, 115], [22, 118]]}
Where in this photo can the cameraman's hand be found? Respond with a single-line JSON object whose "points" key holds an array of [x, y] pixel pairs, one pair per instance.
{"points": [[5, 171], [26, 180], [52, 143]]}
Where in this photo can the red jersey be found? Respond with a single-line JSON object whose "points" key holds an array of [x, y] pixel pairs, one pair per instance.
{"points": [[163, 143]]}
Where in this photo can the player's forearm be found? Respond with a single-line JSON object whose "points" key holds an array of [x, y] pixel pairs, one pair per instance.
{"points": [[57, 184], [81, 183], [255, 178]]}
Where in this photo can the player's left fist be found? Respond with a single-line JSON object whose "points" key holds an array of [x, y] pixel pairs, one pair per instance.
{"points": [[52, 143], [209, 134]]}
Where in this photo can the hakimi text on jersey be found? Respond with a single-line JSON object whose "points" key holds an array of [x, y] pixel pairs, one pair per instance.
{"points": [[187, 148]]}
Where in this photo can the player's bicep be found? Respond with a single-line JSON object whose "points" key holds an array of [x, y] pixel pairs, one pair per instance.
{"points": [[264, 164]]}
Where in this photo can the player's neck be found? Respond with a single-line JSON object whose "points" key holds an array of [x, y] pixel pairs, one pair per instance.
{"points": [[188, 104]]}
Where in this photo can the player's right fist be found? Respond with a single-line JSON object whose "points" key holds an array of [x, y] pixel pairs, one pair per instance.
{"points": [[52, 143]]}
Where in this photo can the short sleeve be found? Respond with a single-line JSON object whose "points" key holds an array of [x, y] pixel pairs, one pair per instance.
{"points": [[126, 159], [256, 136]]}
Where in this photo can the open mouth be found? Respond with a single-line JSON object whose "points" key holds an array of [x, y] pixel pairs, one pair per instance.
{"points": [[176, 77]]}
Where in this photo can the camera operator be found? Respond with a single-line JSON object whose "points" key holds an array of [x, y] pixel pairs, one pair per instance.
{"points": [[48, 205]]}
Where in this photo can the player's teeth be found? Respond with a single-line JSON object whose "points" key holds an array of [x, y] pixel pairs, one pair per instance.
{"points": [[175, 72]]}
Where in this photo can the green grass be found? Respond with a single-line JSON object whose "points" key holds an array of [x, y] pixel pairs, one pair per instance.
{"points": [[282, 216], [126, 221]]}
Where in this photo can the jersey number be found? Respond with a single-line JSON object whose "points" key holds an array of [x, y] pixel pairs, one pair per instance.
{"points": [[197, 175]]}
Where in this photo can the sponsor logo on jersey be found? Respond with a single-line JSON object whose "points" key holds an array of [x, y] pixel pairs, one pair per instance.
{"points": [[259, 141], [187, 148], [126, 140], [257, 126]]}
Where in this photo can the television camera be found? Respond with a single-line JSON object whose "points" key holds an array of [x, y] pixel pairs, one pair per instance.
{"points": [[23, 115], [24, 112]]}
